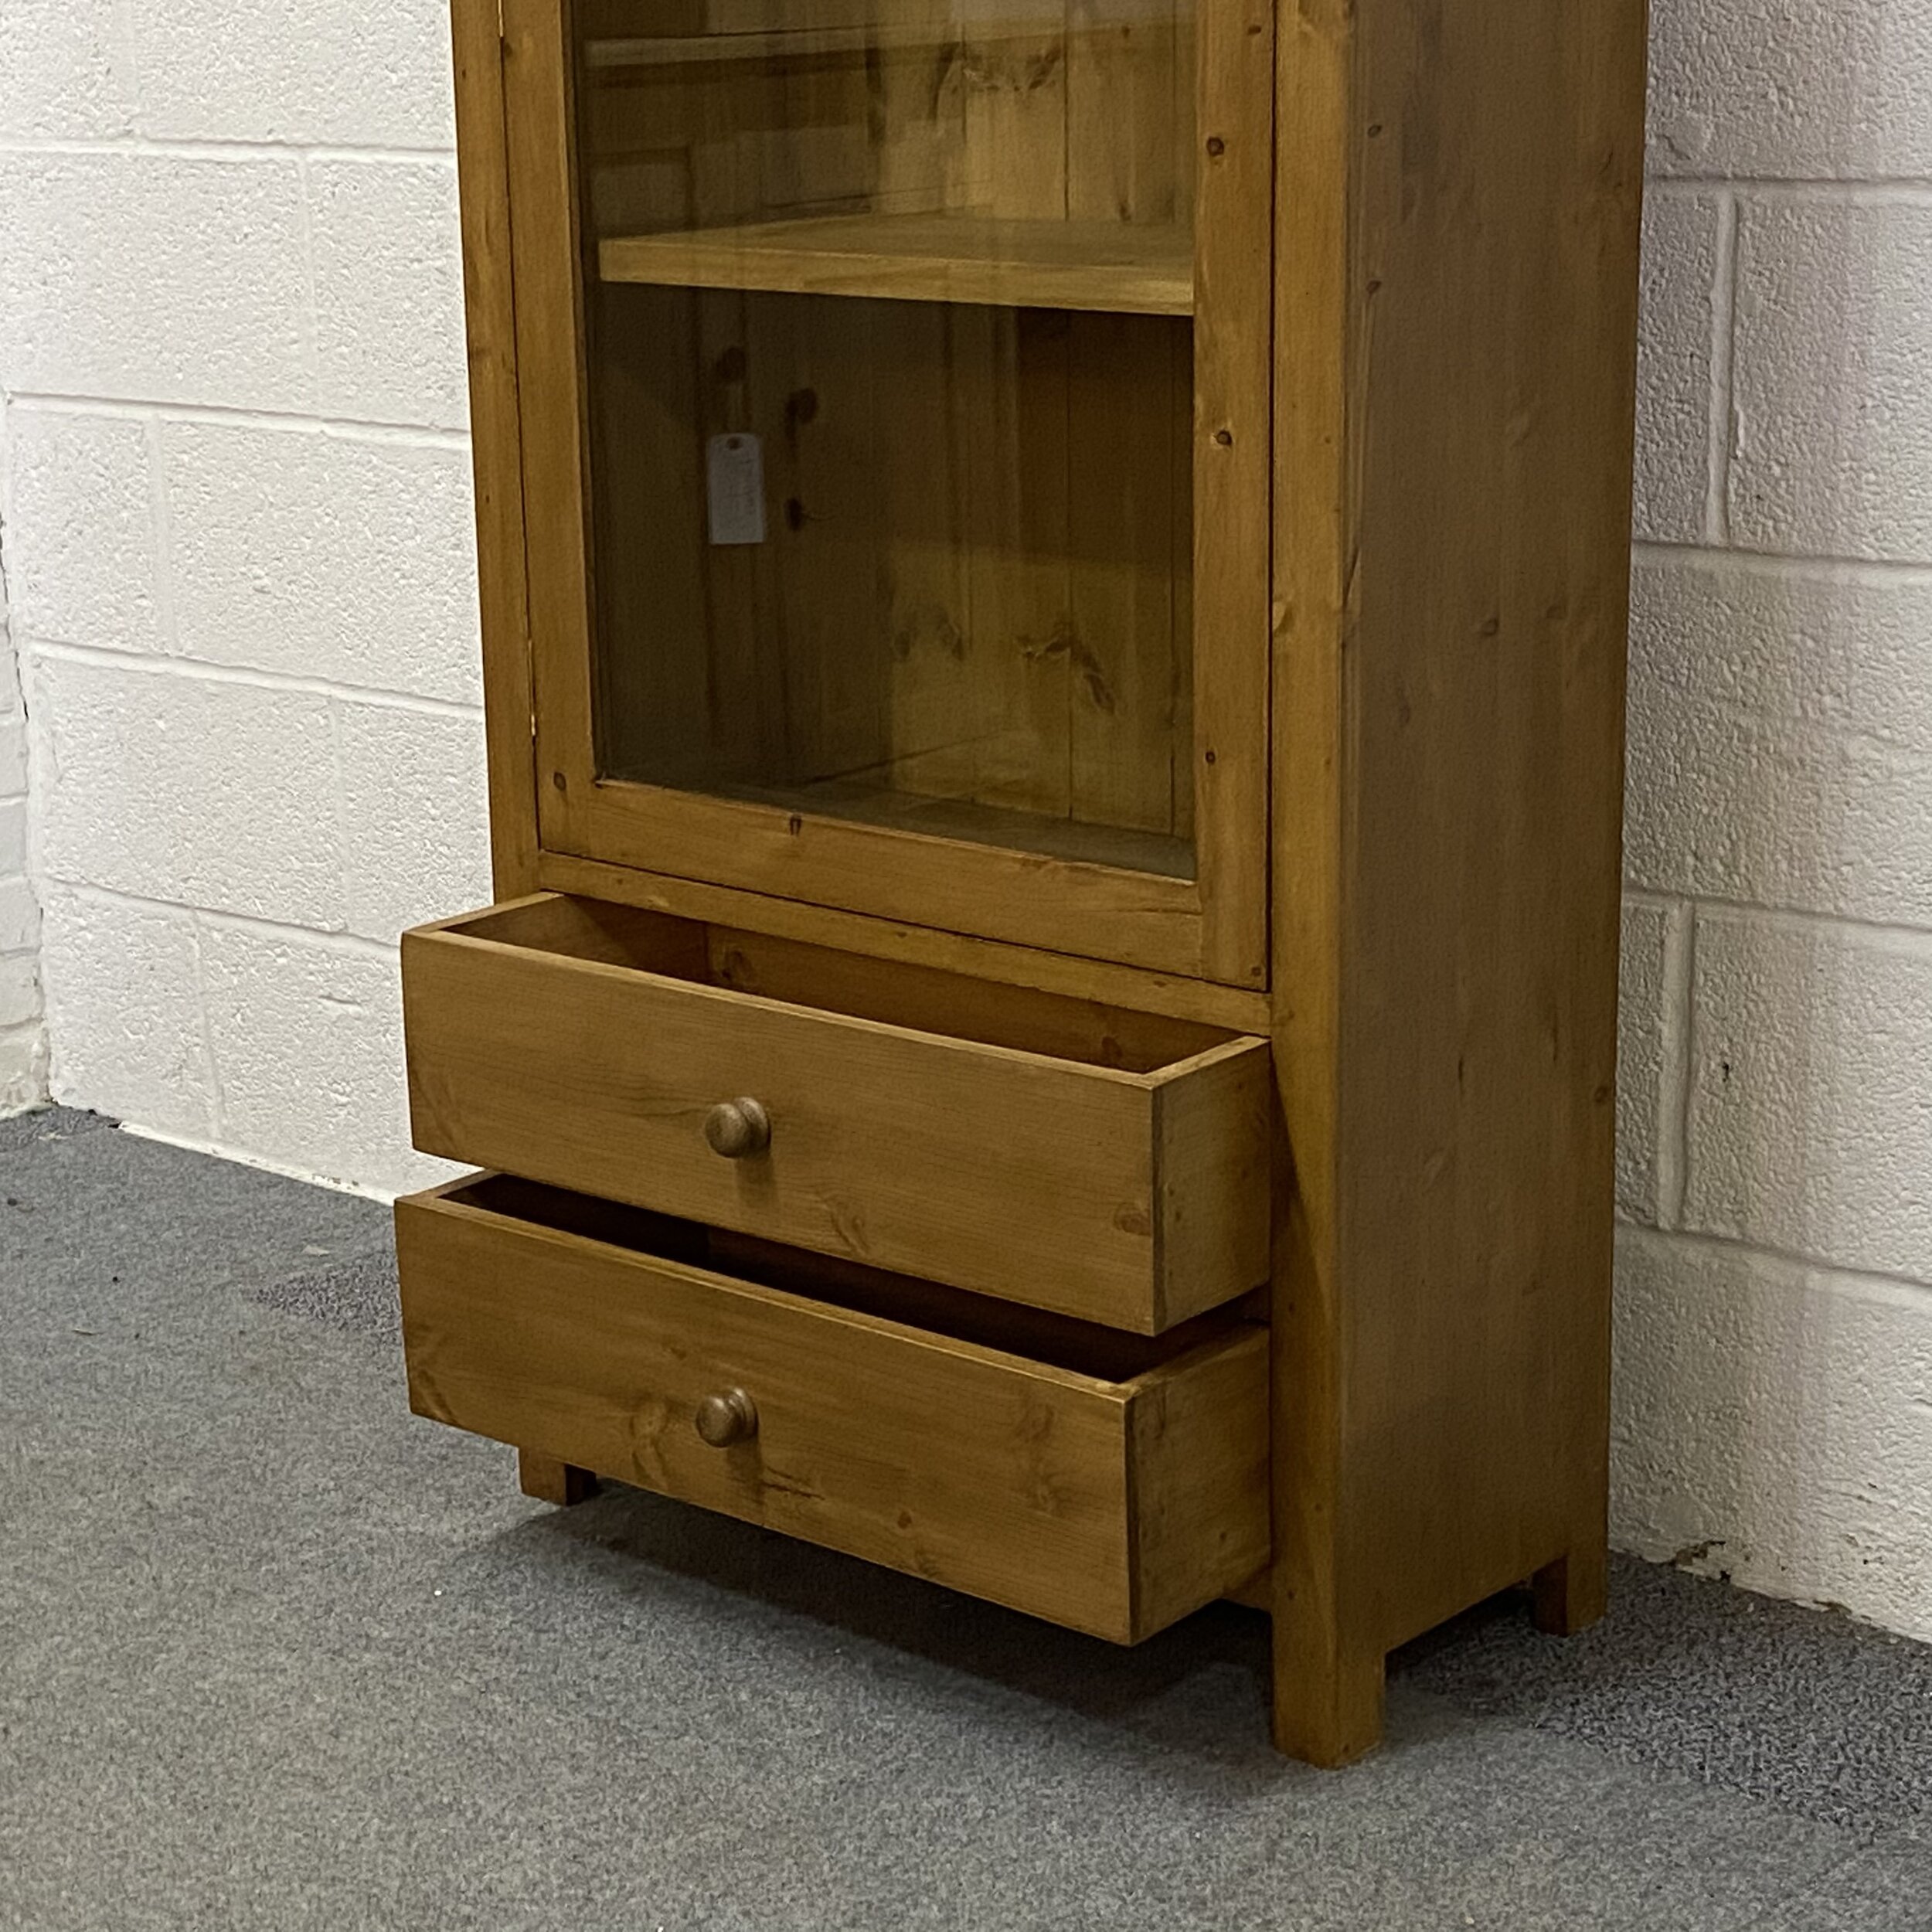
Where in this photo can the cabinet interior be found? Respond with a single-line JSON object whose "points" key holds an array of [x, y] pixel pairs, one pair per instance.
{"points": [[964, 604]]}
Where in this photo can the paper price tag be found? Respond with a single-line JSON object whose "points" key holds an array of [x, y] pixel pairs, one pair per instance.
{"points": [[735, 488]]}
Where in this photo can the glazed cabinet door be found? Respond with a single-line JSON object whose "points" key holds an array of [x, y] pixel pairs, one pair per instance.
{"points": [[894, 381]]}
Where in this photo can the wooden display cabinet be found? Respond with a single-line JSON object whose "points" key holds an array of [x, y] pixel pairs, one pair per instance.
{"points": [[1054, 589]]}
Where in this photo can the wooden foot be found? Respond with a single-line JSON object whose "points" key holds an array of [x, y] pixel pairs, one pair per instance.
{"points": [[1573, 1593], [550, 1481], [1327, 1711]]}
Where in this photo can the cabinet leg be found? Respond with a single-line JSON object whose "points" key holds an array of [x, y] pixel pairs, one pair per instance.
{"points": [[550, 1481], [1328, 1710], [1573, 1593]]}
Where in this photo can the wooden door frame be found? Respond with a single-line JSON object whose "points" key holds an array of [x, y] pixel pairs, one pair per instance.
{"points": [[483, 177], [1212, 928]]}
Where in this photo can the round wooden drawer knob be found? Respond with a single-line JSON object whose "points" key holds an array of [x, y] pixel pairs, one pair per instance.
{"points": [[724, 1419], [737, 1129]]}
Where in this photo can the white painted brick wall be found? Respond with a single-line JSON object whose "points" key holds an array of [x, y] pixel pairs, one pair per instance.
{"points": [[237, 550], [23, 1047], [1774, 1323], [1810, 1123], [1781, 734], [1776, 90], [1772, 1423], [127, 977], [1830, 405], [67, 68], [1682, 235], [1639, 1045], [288, 71]]}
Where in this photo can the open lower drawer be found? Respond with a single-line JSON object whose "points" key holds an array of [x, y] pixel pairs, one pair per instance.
{"points": [[1105, 1481], [1110, 1165]]}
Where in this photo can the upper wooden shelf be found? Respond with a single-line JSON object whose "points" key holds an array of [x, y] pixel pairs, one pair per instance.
{"points": [[778, 43], [1110, 266]]}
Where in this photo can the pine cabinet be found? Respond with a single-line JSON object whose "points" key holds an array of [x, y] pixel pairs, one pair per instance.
{"points": [[1054, 585]]}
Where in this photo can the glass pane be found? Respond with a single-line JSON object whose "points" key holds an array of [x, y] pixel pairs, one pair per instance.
{"points": [[891, 361]]}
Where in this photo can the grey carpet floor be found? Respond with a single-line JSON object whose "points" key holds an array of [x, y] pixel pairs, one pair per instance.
{"points": [[273, 1654]]}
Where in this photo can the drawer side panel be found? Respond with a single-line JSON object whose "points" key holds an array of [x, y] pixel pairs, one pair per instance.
{"points": [[1199, 1445]]}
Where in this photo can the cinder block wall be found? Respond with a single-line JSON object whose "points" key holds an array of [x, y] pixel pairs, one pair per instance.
{"points": [[237, 552], [23, 1040], [1774, 1409], [239, 547]]}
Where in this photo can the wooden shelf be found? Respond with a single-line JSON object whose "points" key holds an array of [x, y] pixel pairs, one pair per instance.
{"points": [[861, 801], [1112, 267], [778, 44]]}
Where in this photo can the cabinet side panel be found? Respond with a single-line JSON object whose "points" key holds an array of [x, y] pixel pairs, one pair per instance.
{"points": [[1476, 531], [1496, 259], [483, 172]]}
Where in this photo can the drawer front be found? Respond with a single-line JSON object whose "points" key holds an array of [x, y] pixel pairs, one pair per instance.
{"points": [[1111, 1507], [1134, 1199]]}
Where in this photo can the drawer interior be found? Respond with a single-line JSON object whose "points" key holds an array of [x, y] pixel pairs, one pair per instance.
{"points": [[924, 998], [1060, 1341]]}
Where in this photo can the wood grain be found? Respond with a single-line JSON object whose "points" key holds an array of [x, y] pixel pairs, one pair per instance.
{"points": [[1008, 1327], [1089, 910], [1199, 1459], [1574, 1592], [1212, 1151], [929, 1153], [1230, 1008], [1456, 276], [552, 405], [545, 1479], [1233, 333], [497, 455], [1110, 266], [771, 45], [901, 994], [1014, 478], [1329, 1676], [1112, 1507], [1125, 758]]}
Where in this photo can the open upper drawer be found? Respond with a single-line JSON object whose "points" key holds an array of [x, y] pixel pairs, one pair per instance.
{"points": [[1107, 1164]]}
